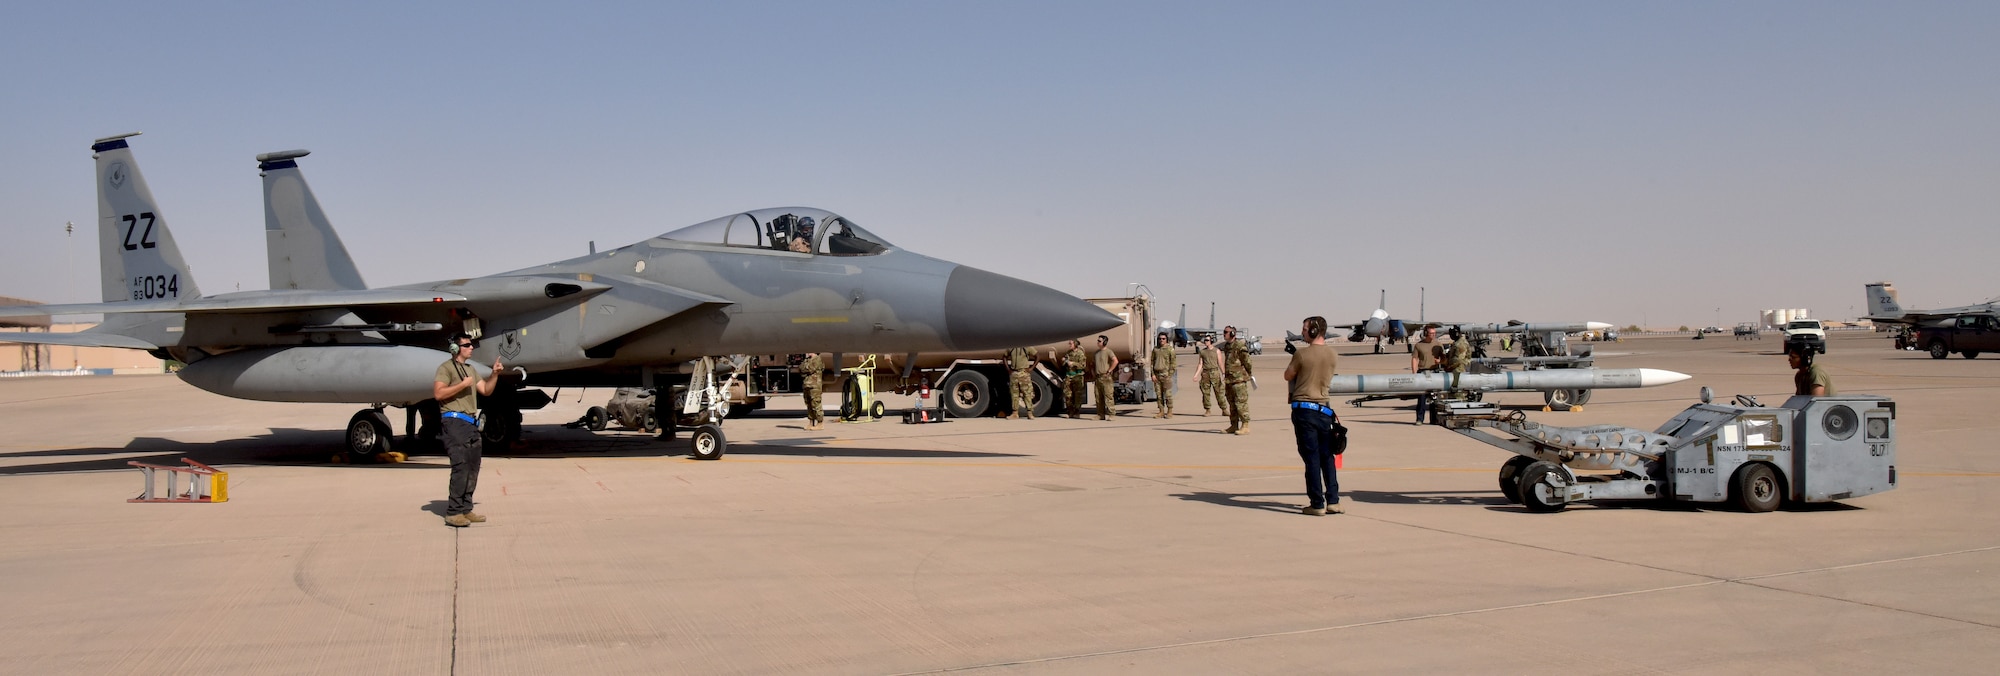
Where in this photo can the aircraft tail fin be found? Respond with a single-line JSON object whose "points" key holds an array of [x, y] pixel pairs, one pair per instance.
{"points": [[137, 257], [303, 250], [1882, 300]]}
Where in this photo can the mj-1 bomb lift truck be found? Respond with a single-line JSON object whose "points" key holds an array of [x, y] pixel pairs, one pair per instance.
{"points": [[1811, 449]]}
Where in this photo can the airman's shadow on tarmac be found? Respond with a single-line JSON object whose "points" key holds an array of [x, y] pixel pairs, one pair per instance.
{"points": [[1491, 498], [1243, 500]]}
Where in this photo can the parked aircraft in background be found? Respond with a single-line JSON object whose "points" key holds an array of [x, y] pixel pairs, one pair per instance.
{"points": [[1883, 308]]}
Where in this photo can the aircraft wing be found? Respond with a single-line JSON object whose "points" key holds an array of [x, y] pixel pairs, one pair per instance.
{"points": [[81, 339], [633, 304], [1917, 316]]}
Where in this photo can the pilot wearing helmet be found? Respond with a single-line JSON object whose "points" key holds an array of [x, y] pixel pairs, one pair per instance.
{"points": [[802, 234]]}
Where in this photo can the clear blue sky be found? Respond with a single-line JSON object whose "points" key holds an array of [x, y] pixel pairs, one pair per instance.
{"points": [[1672, 162]]}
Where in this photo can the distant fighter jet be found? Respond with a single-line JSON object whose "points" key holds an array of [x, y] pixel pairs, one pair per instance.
{"points": [[654, 314], [1377, 326], [1883, 308]]}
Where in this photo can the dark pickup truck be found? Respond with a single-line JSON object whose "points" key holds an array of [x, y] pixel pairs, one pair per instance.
{"points": [[1967, 335]]}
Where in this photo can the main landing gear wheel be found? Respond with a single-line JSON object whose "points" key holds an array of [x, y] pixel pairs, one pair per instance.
{"points": [[367, 436], [1552, 482], [499, 430], [1510, 477], [1756, 488], [707, 443]]}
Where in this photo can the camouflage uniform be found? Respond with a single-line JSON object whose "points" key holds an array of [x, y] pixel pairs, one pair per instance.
{"points": [[1210, 382], [1164, 368], [1075, 362], [810, 374], [1457, 361], [1105, 363], [1020, 363], [1236, 374]]}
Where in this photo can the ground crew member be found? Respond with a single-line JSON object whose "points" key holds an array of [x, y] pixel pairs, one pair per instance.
{"points": [[1236, 379], [1424, 358], [1074, 363], [1309, 374], [1811, 380], [457, 391], [1457, 359], [1020, 362], [1208, 378], [1164, 368], [1107, 365], [811, 374]]}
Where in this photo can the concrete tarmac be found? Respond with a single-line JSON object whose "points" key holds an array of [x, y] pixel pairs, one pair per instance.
{"points": [[985, 546]]}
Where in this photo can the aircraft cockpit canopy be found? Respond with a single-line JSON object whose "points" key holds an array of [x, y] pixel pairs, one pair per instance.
{"points": [[795, 229]]}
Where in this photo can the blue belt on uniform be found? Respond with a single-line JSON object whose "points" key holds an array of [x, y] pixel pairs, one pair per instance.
{"points": [[469, 420], [1307, 405]]}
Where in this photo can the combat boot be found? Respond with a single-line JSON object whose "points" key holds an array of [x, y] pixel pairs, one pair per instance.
{"points": [[474, 517], [457, 521]]}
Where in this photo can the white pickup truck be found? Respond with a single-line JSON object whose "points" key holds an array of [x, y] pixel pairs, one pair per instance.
{"points": [[1807, 330]]}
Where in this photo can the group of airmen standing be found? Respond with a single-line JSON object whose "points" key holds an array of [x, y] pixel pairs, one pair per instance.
{"points": [[1224, 378]]}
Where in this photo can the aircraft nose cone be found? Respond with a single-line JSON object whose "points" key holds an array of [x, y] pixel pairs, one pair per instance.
{"points": [[986, 311]]}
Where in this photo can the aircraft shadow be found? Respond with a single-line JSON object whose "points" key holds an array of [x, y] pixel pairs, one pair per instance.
{"points": [[555, 441], [279, 447], [852, 452], [1243, 500]]}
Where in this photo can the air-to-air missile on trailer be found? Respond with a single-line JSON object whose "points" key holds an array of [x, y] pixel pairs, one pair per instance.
{"points": [[973, 383], [655, 314], [1544, 347]]}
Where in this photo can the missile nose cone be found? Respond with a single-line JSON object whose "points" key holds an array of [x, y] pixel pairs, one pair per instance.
{"points": [[1655, 377], [1596, 326], [986, 311]]}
